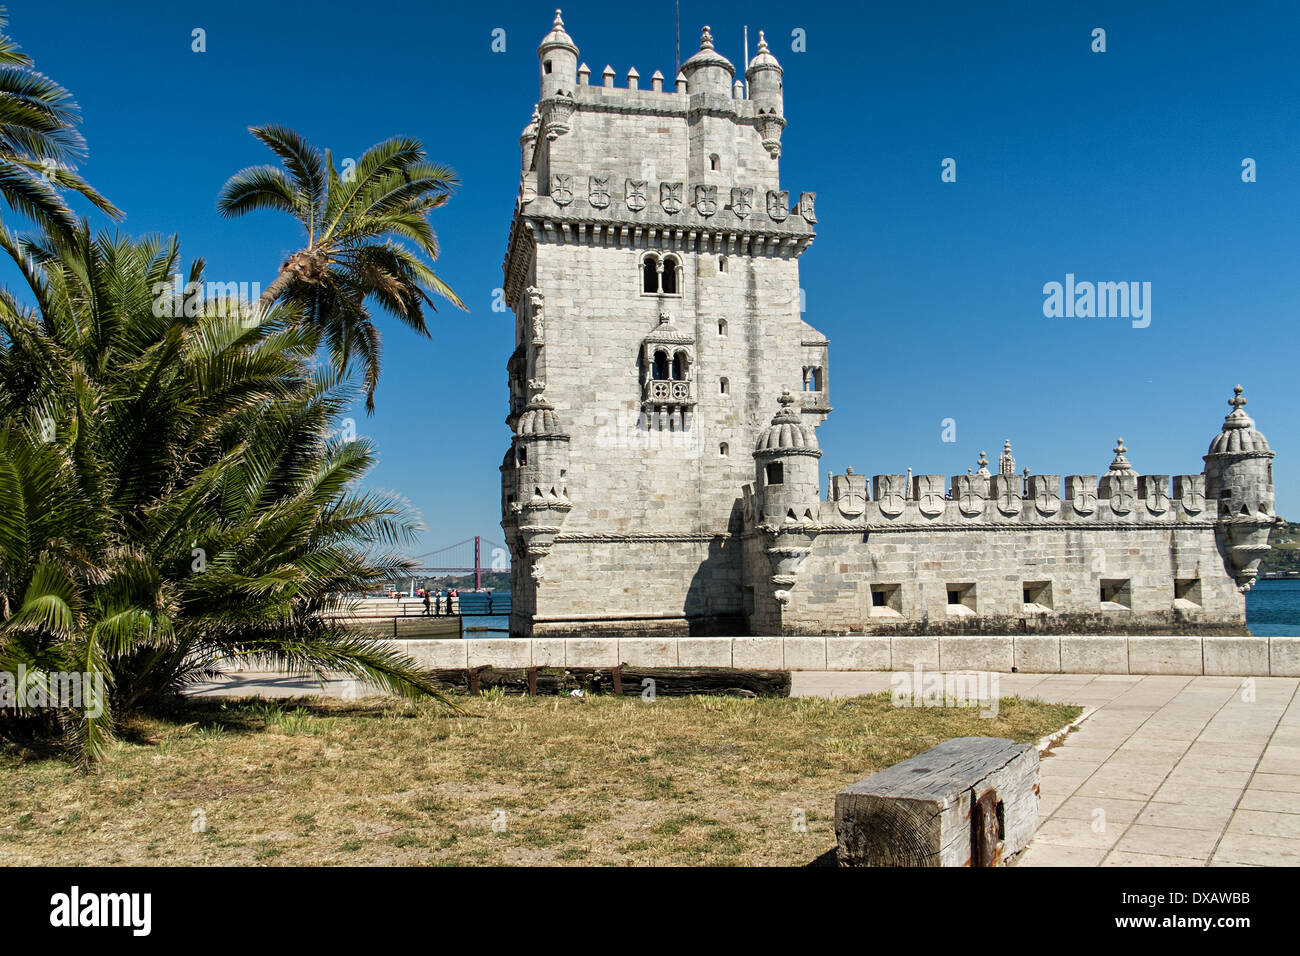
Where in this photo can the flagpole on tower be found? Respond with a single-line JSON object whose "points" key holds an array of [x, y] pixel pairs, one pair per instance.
{"points": [[745, 65], [677, 5]]}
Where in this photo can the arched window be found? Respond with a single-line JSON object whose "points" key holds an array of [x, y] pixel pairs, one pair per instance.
{"points": [[650, 275], [660, 371], [724, 450], [724, 387], [668, 280], [679, 367], [722, 326], [722, 264], [715, 163]]}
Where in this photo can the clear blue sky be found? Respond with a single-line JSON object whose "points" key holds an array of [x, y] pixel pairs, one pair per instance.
{"points": [[1117, 166]]}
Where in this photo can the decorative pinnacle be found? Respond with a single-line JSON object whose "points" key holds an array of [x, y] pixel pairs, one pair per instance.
{"points": [[1119, 448], [762, 43], [1237, 401], [786, 398], [559, 23], [706, 39], [1120, 466]]}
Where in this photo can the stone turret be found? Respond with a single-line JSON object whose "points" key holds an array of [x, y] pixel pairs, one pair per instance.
{"points": [[788, 483], [1239, 477], [541, 499], [558, 55], [766, 91], [709, 71]]}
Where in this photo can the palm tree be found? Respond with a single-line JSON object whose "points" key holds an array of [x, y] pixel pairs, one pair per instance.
{"points": [[354, 229], [172, 493], [39, 143]]}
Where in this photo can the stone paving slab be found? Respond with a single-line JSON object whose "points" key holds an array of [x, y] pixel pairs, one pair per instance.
{"points": [[1170, 770]]}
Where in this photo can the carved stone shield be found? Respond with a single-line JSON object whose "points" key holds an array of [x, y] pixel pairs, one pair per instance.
{"points": [[670, 197], [1046, 502], [971, 502], [742, 200], [1084, 501], [598, 191], [636, 193], [1191, 493], [778, 204], [1157, 501], [806, 201], [851, 504], [889, 495], [706, 200], [1122, 500], [562, 191]]}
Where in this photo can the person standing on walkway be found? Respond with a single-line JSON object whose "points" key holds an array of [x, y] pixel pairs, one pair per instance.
{"points": [[426, 603]]}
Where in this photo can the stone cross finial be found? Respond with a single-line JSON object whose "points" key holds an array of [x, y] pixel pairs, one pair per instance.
{"points": [[1237, 401], [983, 463], [706, 39]]}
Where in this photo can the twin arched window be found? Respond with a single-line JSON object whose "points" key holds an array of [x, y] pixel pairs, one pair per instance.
{"points": [[660, 275], [669, 369]]}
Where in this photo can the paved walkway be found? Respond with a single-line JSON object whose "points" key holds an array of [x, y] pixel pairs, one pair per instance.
{"points": [[1167, 771]]}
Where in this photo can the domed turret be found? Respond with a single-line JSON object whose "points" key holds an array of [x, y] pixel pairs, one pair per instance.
{"points": [[540, 496], [764, 75], [766, 90], [559, 59], [785, 458], [1239, 464], [1239, 477], [709, 71]]}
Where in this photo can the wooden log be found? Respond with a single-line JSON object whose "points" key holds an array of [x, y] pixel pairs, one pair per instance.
{"points": [[631, 682], [970, 801]]}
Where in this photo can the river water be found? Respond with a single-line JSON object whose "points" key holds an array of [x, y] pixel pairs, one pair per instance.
{"points": [[1273, 608]]}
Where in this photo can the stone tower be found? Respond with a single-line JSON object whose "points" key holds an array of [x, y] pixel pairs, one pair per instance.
{"points": [[653, 272]]}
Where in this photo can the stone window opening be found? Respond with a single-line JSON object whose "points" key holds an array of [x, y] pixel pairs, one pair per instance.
{"points": [[1187, 593], [722, 264], [813, 378], [523, 455], [660, 275], [1037, 596], [724, 450], [650, 276], [775, 473], [660, 370], [1116, 594], [722, 327], [547, 67], [724, 386], [961, 599], [715, 162], [679, 367], [886, 600]]}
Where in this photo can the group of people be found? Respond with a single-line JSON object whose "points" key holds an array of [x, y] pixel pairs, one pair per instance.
{"points": [[441, 601]]}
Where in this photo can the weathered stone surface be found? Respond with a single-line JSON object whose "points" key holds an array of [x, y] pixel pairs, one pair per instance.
{"points": [[976, 653], [590, 652], [1038, 654], [757, 652], [704, 652], [499, 652], [438, 654], [857, 653], [648, 652], [548, 652], [1164, 655], [1234, 656], [804, 653], [909, 652], [919, 812], [1284, 656], [1094, 654]]}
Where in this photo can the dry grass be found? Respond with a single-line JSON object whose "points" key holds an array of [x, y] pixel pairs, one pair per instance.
{"points": [[597, 781]]}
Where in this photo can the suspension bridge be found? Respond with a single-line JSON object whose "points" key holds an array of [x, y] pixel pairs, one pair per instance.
{"points": [[471, 556]]}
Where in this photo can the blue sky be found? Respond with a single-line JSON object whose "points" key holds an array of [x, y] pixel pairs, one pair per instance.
{"points": [[1115, 166]]}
